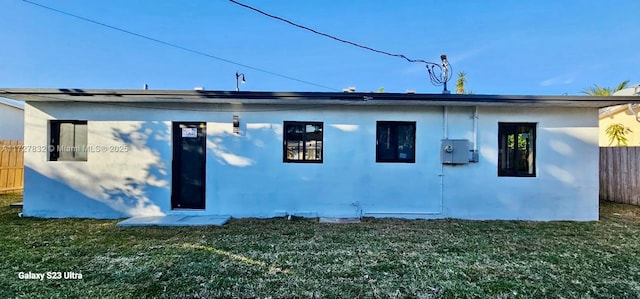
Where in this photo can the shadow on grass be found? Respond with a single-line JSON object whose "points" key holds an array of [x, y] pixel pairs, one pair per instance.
{"points": [[378, 258]]}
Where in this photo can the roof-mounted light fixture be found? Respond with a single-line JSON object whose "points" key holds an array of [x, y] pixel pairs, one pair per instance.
{"points": [[238, 76]]}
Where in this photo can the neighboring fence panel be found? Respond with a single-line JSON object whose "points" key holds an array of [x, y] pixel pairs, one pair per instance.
{"points": [[11, 166], [620, 174]]}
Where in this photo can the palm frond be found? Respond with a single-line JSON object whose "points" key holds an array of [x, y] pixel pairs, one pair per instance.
{"points": [[617, 133], [622, 85], [597, 90], [462, 79]]}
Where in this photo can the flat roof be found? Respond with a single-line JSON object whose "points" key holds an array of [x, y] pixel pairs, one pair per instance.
{"points": [[307, 98]]}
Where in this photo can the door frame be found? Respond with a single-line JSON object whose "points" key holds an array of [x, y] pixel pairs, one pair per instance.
{"points": [[176, 161]]}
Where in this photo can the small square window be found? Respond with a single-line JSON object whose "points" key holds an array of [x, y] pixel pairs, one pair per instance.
{"points": [[517, 149], [67, 140], [303, 142], [396, 141]]}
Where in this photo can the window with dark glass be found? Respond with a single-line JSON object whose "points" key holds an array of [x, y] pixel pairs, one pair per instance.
{"points": [[396, 141], [517, 149], [67, 140], [303, 141]]}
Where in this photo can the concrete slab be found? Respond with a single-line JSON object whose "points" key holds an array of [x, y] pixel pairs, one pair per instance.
{"points": [[176, 220], [338, 220]]}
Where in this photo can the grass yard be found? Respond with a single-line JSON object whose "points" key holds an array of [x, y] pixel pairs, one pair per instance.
{"points": [[379, 258]]}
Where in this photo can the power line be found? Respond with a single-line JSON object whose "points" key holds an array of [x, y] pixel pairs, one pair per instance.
{"points": [[439, 74], [173, 45], [330, 36]]}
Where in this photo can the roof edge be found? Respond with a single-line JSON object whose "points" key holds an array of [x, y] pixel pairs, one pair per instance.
{"points": [[218, 96], [12, 103]]}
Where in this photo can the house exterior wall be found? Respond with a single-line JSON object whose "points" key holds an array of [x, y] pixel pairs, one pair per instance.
{"points": [[246, 175], [566, 181], [626, 118], [11, 123]]}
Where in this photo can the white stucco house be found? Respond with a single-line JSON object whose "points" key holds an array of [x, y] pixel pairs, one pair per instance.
{"points": [[122, 153], [11, 119]]}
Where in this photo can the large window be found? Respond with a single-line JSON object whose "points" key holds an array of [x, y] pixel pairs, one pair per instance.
{"points": [[68, 140], [517, 149], [302, 142], [396, 141]]}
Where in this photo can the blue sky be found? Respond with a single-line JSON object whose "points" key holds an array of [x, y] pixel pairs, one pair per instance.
{"points": [[504, 46]]}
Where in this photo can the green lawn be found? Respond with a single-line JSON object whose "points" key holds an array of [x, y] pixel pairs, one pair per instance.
{"points": [[379, 258]]}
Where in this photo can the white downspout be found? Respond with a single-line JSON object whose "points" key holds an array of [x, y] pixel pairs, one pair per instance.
{"points": [[445, 123], [474, 152]]}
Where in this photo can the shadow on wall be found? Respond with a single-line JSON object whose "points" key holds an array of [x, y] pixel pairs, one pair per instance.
{"points": [[148, 192], [255, 143], [235, 160], [565, 186], [127, 177], [65, 202], [135, 181], [571, 154], [224, 145]]}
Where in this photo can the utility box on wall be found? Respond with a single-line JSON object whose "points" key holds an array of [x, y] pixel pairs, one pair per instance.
{"points": [[454, 151]]}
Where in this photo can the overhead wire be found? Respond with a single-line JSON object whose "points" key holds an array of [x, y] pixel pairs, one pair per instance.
{"points": [[174, 45], [329, 35], [436, 79]]}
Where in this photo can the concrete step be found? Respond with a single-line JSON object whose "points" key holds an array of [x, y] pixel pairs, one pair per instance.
{"points": [[339, 220], [176, 220]]}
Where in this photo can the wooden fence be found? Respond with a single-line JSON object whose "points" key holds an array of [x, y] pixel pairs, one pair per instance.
{"points": [[11, 166], [620, 174]]}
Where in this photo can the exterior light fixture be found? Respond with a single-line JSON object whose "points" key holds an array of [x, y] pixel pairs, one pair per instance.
{"points": [[236, 124], [238, 76]]}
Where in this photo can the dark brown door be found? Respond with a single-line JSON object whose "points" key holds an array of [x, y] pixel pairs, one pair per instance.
{"points": [[189, 165]]}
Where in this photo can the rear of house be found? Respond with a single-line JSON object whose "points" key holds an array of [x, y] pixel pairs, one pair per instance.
{"points": [[114, 154]]}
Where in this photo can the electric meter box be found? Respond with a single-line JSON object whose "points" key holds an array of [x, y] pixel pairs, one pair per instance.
{"points": [[454, 151]]}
